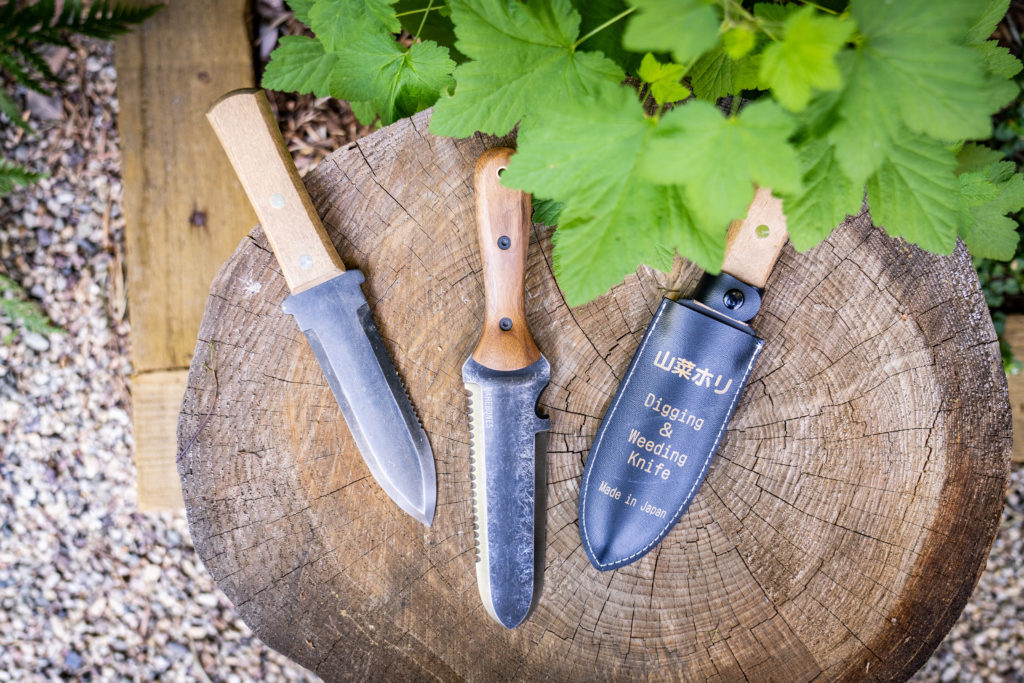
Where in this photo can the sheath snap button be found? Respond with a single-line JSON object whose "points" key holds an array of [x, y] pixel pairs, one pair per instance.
{"points": [[733, 299], [505, 324], [504, 242]]}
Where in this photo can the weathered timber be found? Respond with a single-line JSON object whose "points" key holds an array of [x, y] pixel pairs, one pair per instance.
{"points": [[184, 208], [840, 532]]}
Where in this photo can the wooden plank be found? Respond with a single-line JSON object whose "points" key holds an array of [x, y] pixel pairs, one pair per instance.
{"points": [[156, 400], [1015, 336], [184, 208]]}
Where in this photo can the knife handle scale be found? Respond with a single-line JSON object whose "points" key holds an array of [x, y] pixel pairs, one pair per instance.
{"points": [[503, 229], [753, 244], [249, 134]]}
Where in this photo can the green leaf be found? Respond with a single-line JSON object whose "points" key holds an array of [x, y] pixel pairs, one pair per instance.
{"points": [[16, 305], [716, 75], [546, 211], [301, 9], [915, 195], [437, 27], [300, 64], [11, 109], [972, 157], [664, 79], [738, 42], [719, 159], [805, 58], [998, 60], [12, 175], [364, 112], [586, 155], [913, 56], [987, 20], [523, 61], [607, 41], [988, 193], [339, 23], [686, 28], [828, 196], [771, 13], [397, 81]]}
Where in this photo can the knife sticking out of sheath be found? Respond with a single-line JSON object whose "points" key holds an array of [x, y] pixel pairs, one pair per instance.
{"points": [[664, 425], [329, 305], [504, 377]]}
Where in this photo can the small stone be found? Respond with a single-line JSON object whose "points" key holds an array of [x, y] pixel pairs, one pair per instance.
{"points": [[36, 341], [73, 660]]}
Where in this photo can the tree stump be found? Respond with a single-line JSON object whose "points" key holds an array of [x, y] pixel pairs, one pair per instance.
{"points": [[844, 523]]}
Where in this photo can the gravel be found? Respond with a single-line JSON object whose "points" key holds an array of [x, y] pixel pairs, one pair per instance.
{"points": [[90, 587]]}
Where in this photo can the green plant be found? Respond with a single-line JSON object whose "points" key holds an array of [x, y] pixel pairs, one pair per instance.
{"points": [[849, 97], [16, 305], [26, 25]]}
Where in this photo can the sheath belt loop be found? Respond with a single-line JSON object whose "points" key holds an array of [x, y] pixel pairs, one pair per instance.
{"points": [[725, 294]]}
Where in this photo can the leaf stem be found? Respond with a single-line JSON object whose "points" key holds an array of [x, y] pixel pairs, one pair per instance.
{"points": [[819, 7], [426, 12], [617, 17], [413, 11]]}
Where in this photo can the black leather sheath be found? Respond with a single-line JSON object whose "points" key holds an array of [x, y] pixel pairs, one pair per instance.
{"points": [[663, 427]]}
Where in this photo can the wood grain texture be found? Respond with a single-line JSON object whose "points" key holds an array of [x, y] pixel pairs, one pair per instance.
{"points": [[156, 400], [754, 244], [1015, 336], [839, 534], [502, 213], [248, 132], [184, 208]]}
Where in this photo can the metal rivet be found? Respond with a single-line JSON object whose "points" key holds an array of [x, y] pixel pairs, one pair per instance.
{"points": [[305, 262], [505, 324], [762, 231], [733, 299], [504, 242], [277, 200]]}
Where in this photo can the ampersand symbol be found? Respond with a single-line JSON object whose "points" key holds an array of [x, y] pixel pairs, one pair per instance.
{"points": [[666, 430]]}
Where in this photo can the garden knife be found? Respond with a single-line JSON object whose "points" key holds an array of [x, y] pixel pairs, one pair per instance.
{"points": [[504, 377], [329, 305], [668, 416]]}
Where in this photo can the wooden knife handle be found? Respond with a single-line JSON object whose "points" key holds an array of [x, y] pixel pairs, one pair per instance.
{"points": [[249, 134], [753, 244], [503, 229]]}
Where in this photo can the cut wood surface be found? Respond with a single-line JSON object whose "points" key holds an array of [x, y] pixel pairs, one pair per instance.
{"points": [[844, 523], [184, 208]]}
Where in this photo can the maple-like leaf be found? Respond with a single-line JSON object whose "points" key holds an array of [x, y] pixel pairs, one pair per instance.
{"points": [[826, 198], [718, 159], [804, 60], [397, 81], [300, 64], [664, 79], [989, 190], [915, 195], [613, 219], [523, 59], [912, 61], [716, 74]]}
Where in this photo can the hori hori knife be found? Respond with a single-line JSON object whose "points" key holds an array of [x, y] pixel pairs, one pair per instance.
{"points": [[504, 377], [329, 306]]}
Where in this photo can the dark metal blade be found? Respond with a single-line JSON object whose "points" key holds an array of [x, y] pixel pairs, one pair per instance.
{"points": [[508, 453], [337, 322]]}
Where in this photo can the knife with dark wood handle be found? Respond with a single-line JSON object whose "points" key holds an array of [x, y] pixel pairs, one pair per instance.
{"points": [[504, 377]]}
